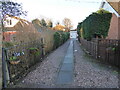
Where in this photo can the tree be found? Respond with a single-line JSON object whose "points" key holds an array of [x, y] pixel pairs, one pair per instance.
{"points": [[67, 23], [36, 21], [50, 24], [43, 22], [12, 8]]}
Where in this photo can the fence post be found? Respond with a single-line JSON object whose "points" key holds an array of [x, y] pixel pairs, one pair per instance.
{"points": [[5, 68], [97, 50], [43, 46]]}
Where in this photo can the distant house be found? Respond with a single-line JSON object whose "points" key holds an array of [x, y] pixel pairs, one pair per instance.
{"points": [[113, 6], [59, 27], [18, 30], [73, 34]]}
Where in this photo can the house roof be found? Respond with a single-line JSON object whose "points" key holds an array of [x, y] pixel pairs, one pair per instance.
{"points": [[21, 25], [115, 5], [16, 18], [59, 27]]}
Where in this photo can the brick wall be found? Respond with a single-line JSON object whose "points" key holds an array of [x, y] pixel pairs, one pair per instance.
{"points": [[113, 30]]}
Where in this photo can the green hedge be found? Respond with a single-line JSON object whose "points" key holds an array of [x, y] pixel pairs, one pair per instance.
{"points": [[78, 28], [96, 24], [63, 38], [60, 38]]}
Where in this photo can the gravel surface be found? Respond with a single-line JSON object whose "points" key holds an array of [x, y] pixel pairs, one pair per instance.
{"points": [[88, 73], [45, 73]]}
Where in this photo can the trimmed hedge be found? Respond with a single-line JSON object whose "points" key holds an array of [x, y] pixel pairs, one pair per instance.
{"points": [[57, 39], [60, 38], [78, 28], [96, 24]]}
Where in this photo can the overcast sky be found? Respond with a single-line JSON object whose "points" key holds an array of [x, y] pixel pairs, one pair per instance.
{"points": [[57, 10]]}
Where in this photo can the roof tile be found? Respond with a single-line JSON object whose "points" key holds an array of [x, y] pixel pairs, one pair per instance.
{"points": [[115, 4]]}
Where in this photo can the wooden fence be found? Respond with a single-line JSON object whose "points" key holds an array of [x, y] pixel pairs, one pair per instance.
{"points": [[25, 59], [18, 59], [105, 50]]}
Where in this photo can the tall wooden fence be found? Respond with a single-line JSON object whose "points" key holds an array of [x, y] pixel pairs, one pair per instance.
{"points": [[105, 50]]}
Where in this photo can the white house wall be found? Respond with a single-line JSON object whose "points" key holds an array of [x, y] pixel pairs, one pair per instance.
{"points": [[14, 22]]}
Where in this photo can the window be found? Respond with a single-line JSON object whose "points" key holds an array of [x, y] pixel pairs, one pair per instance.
{"points": [[10, 22]]}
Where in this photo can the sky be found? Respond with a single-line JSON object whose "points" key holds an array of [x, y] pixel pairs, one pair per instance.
{"points": [[57, 10]]}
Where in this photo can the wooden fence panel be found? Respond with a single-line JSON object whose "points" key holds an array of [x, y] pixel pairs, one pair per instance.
{"points": [[101, 52], [27, 60], [105, 50]]}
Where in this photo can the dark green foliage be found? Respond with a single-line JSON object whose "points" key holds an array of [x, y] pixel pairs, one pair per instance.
{"points": [[43, 22], [78, 29], [13, 58], [34, 51], [67, 35], [63, 37], [60, 38], [96, 25], [57, 39]]}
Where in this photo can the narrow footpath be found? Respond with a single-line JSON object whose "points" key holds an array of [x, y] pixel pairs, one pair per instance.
{"points": [[69, 67], [65, 75]]}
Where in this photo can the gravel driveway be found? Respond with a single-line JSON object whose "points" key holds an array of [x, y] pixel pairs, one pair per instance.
{"points": [[88, 73], [46, 71]]}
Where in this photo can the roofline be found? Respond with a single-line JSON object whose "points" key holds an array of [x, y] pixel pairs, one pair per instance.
{"points": [[116, 13], [17, 18]]}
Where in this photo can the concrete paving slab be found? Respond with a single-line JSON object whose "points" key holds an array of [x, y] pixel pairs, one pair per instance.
{"points": [[67, 67], [64, 77], [69, 55], [68, 60]]}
